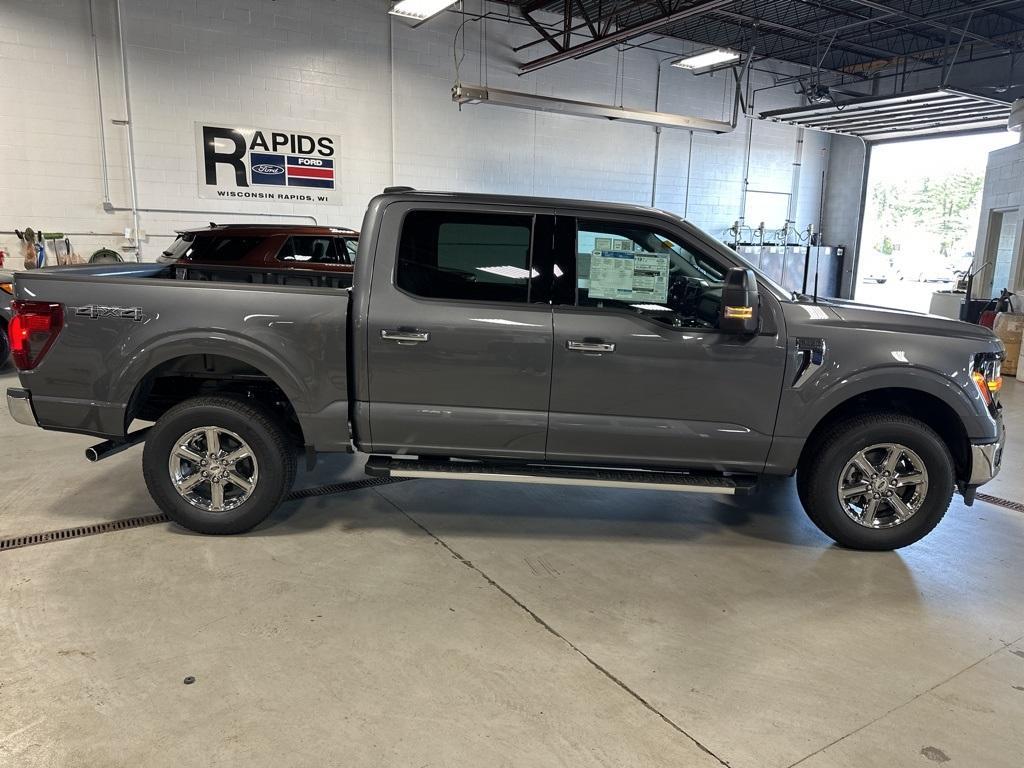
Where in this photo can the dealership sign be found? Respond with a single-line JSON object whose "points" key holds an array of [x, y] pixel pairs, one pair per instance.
{"points": [[267, 165]]}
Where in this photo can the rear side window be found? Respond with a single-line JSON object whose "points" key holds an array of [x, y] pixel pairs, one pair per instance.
{"points": [[312, 249], [465, 256], [220, 249]]}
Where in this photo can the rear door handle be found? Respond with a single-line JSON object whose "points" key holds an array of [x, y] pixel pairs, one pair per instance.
{"points": [[405, 337], [590, 346]]}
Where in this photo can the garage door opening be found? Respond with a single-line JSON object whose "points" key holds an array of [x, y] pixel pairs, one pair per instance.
{"points": [[921, 217]]}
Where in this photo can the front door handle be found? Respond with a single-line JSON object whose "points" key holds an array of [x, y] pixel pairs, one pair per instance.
{"points": [[598, 347], [404, 337]]}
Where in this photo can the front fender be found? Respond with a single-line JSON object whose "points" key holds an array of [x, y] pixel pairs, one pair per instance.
{"points": [[802, 409]]}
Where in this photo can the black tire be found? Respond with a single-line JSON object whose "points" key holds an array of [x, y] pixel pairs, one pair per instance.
{"points": [[819, 474], [271, 448]]}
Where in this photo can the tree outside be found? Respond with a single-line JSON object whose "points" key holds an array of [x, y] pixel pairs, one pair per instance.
{"points": [[921, 217]]}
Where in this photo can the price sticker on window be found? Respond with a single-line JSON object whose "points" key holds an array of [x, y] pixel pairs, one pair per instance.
{"points": [[629, 276]]}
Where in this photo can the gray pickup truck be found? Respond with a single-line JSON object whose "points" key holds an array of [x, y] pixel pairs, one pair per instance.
{"points": [[520, 340]]}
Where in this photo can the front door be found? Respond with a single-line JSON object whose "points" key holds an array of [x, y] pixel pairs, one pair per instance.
{"points": [[459, 339], [641, 376]]}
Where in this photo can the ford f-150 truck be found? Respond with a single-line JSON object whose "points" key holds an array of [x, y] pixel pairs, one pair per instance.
{"points": [[515, 339]]}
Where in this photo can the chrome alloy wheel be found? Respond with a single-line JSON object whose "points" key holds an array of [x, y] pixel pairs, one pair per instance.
{"points": [[213, 468], [883, 485]]}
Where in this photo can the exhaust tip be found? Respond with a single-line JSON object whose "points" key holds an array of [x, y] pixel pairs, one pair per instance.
{"points": [[92, 454]]}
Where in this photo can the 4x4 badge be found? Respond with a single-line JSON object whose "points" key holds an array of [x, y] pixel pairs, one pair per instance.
{"points": [[121, 313]]}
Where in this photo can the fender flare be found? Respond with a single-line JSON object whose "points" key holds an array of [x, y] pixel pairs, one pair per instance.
{"points": [[944, 388], [221, 344]]}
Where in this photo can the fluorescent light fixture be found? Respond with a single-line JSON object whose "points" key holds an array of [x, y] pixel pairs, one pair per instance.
{"points": [[651, 307], [419, 10], [513, 273], [706, 59], [482, 94]]}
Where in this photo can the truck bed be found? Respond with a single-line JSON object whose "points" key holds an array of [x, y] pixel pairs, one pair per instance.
{"points": [[125, 324]]}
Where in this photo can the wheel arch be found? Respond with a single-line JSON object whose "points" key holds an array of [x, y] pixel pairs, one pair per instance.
{"points": [[929, 408], [176, 378]]}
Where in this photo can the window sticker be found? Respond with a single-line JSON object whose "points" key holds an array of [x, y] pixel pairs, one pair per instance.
{"points": [[603, 244], [629, 276]]}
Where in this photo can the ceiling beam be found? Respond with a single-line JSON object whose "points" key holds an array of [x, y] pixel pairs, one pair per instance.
{"points": [[619, 36], [925, 21]]}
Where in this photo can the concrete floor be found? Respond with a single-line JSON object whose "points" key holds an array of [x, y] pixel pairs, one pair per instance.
{"points": [[443, 624]]}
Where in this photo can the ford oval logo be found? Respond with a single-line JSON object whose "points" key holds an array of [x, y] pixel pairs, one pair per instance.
{"points": [[268, 169]]}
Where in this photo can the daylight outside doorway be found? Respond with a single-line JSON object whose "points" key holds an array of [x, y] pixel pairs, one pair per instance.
{"points": [[921, 217]]}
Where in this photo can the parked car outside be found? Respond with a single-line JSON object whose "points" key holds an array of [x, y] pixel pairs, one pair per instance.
{"points": [[876, 267], [269, 246]]}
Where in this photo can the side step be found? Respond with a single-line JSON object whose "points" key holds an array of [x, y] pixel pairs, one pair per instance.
{"points": [[384, 466]]}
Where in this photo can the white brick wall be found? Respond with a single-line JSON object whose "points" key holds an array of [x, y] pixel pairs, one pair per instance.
{"points": [[347, 68]]}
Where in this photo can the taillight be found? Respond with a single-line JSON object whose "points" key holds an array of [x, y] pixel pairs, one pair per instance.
{"points": [[33, 329]]}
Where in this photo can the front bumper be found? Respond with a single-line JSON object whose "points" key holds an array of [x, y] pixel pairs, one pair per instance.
{"points": [[19, 403], [987, 459]]}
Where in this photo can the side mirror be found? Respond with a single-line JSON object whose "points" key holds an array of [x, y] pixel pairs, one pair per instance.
{"points": [[740, 303]]}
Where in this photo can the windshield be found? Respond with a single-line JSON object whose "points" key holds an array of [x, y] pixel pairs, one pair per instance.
{"points": [[179, 247]]}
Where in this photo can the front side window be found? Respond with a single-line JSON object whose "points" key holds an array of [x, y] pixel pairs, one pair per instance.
{"points": [[635, 268], [311, 249], [465, 256]]}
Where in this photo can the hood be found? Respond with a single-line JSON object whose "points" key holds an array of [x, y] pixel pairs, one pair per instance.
{"points": [[904, 321]]}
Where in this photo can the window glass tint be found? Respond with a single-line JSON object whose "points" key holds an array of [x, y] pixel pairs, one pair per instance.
{"points": [[468, 256], [631, 267], [312, 249], [207, 249]]}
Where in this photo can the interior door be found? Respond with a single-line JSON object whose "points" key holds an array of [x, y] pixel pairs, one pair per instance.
{"points": [[641, 376], [459, 337]]}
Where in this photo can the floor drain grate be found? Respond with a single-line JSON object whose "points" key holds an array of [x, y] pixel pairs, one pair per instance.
{"points": [[1016, 506], [355, 485], [31, 539], [78, 532]]}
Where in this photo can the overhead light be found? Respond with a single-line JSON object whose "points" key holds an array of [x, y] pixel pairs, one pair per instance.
{"points": [[482, 94], [513, 273], [651, 307], [420, 9], [706, 59]]}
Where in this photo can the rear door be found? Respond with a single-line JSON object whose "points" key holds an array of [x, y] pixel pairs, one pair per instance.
{"points": [[641, 374], [459, 333]]}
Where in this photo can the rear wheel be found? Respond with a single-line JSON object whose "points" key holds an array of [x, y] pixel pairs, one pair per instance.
{"points": [[218, 465], [877, 482]]}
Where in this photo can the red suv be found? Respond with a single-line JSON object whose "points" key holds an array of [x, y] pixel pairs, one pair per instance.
{"points": [[267, 246]]}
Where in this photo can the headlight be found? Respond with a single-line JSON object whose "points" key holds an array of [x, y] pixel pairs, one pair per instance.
{"points": [[988, 376]]}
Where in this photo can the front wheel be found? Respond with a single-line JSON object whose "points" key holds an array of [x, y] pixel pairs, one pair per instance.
{"points": [[877, 482], [218, 465]]}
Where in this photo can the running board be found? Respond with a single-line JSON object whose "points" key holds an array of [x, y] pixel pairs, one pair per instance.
{"points": [[383, 466]]}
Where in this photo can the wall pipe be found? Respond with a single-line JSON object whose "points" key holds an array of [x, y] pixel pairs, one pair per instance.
{"points": [[99, 106], [131, 136], [219, 213]]}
